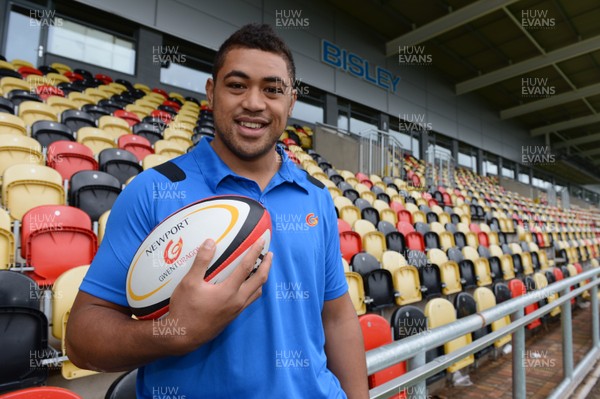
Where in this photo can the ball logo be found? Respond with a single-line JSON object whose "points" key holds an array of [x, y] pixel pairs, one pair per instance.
{"points": [[172, 252], [312, 220]]}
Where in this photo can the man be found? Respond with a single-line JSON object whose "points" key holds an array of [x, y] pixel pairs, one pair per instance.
{"points": [[288, 331]]}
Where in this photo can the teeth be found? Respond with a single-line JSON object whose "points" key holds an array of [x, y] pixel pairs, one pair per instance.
{"points": [[251, 125]]}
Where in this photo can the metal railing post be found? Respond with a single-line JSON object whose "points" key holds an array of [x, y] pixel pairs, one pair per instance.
{"points": [[595, 317], [567, 336], [518, 361], [419, 390]]}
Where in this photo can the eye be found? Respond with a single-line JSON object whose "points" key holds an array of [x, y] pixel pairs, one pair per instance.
{"points": [[274, 90], [235, 85]]}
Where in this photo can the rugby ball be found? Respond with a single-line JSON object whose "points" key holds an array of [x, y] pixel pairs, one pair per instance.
{"points": [[167, 254]]}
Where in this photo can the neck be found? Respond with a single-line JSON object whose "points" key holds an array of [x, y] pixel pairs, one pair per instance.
{"points": [[261, 169]]}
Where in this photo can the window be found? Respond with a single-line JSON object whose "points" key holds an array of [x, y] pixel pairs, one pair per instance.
{"points": [[466, 160], [506, 172], [23, 35], [524, 178], [185, 77], [308, 112], [83, 43]]}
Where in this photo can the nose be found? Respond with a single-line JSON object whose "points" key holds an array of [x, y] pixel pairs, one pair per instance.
{"points": [[254, 100]]}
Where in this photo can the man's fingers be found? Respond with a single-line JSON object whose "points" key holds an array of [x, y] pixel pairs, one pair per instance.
{"points": [[246, 266], [257, 280], [205, 253]]}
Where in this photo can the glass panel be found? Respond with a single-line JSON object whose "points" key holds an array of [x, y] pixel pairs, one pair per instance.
{"points": [[508, 173], [307, 112], [357, 126], [342, 122], [524, 178], [79, 42], [187, 78], [23, 37]]}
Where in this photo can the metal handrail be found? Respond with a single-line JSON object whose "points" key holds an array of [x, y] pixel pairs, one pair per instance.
{"points": [[414, 348]]}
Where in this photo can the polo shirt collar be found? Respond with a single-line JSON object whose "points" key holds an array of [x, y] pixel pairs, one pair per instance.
{"points": [[215, 170]]}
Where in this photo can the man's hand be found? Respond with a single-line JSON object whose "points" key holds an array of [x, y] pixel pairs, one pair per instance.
{"points": [[205, 309]]}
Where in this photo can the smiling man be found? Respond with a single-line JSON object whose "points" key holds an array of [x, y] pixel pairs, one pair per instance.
{"points": [[288, 331]]}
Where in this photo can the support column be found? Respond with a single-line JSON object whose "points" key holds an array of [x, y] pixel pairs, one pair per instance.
{"points": [[331, 109]]}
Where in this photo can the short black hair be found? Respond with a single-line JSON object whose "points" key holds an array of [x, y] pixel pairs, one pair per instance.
{"points": [[259, 37]]}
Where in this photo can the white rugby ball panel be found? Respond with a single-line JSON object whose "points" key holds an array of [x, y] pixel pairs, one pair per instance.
{"points": [[166, 255]]}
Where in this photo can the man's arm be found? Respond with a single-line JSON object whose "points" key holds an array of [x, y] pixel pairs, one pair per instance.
{"points": [[103, 336], [344, 346]]}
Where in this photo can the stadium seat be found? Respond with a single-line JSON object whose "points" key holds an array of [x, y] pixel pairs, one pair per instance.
{"points": [[152, 132], [123, 387], [168, 148], [407, 283], [392, 260], [364, 263], [153, 160], [485, 299], [466, 306], [119, 163], [7, 241], [64, 291], [130, 117], [61, 104], [48, 230], [18, 291], [25, 186], [8, 84], [440, 312], [350, 243], [377, 332], [96, 139], [41, 393], [47, 132], [379, 288], [114, 126], [541, 282], [67, 158], [94, 192], [430, 279], [18, 149], [449, 271], [33, 111], [517, 288], [76, 119], [356, 290]]}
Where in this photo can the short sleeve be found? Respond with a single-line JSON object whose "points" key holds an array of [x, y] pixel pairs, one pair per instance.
{"points": [[131, 219], [335, 278]]}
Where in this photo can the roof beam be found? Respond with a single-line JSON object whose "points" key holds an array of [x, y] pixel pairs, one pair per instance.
{"points": [[595, 151], [584, 120], [558, 99], [531, 64], [581, 140], [448, 22]]}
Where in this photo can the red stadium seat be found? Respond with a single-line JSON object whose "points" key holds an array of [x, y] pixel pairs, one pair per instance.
{"points": [[26, 71], [56, 238], [517, 288], [104, 78], [72, 76], [405, 216], [483, 239], [161, 91], [405, 228], [129, 117], [377, 332], [163, 115], [350, 244], [68, 157], [172, 104], [396, 206], [137, 145], [41, 393], [343, 226]]}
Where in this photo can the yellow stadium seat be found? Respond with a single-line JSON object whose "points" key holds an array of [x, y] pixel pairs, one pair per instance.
{"points": [[64, 291], [540, 283], [407, 283], [96, 94], [183, 137], [168, 148], [485, 299], [350, 214], [25, 186], [357, 292], [8, 84], [16, 149], [449, 271], [142, 87], [440, 312], [7, 241], [12, 124], [96, 139], [62, 68], [114, 126], [81, 99], [102, 222], [153, 160], [61, 104], [33, 111]]}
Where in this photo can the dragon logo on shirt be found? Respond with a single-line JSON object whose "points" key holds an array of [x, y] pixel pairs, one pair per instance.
{"points": [[172, 251], [312, 219]]}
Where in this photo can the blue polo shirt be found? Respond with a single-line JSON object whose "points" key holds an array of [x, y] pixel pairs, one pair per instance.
{"points": [[275, 347]]}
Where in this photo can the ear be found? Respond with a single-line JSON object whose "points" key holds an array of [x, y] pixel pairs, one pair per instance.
{"points": [[210, 86], [294, 97]]}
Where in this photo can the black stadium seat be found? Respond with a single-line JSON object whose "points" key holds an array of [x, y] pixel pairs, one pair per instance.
{"points": [[47, 132], [123, 387], [120, 163], [149, 131], [6, 106], [76, 119], [93, 191], [19, 96]]}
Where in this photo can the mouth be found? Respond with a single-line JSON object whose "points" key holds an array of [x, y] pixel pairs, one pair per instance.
{"points": [[251, 126]]}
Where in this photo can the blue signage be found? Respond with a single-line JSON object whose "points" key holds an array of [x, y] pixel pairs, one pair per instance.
{"points": [[354, 64]]}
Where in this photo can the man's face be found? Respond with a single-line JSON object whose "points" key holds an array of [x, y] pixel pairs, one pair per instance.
{"points": [[251, 100]]}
